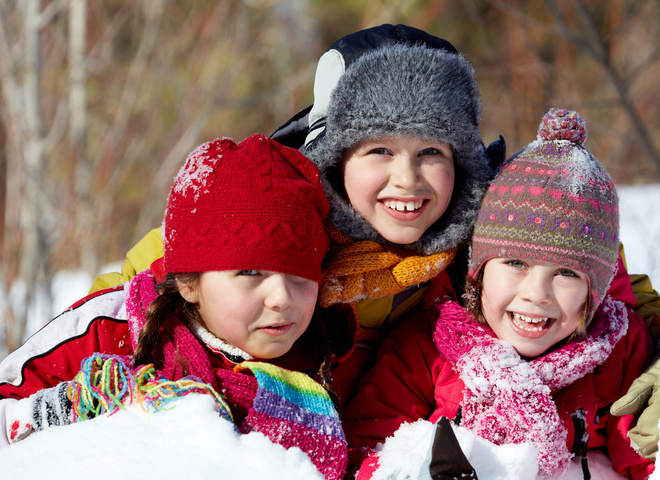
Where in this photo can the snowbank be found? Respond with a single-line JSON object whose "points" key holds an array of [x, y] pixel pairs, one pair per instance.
{"points": [[191, 441], [187, 441]]}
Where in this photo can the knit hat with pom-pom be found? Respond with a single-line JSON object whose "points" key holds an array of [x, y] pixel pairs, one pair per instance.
{"points": [[253, 205], [553, 202]]}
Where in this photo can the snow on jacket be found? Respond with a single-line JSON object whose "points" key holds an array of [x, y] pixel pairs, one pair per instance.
{"points": [[412, 381]]}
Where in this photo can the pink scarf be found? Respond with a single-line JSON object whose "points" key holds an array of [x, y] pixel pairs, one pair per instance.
{"points": [[508, 399], [178, 339]]}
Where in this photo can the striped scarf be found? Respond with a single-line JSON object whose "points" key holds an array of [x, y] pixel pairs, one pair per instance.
{"points": [[292, 403]]}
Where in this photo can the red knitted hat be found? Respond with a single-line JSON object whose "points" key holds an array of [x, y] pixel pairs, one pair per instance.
{"points": [[253, 205]]}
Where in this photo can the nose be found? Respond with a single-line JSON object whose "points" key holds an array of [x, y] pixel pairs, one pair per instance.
{"points": [[405, 171], [537, 288], [278, 296]]}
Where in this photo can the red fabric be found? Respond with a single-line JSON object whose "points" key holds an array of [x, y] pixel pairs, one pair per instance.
{"points": [[255, 204], [621, 288], [361, 356], [411, 382], [62, 361]]}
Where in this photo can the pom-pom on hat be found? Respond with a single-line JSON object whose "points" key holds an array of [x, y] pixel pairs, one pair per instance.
{"points": [[253, 205], [553, 202]]}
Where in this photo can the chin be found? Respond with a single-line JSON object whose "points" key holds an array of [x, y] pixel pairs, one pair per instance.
{"points": [[401, 239]]}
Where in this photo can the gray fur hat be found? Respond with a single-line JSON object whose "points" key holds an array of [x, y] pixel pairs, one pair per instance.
{"points": [[403, 89]]}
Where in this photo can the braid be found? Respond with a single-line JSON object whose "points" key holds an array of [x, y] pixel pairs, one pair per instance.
{"points": [[167, 305]]}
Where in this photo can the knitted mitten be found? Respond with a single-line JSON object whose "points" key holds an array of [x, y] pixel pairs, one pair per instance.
{"points": [[293, 410], [49, 407]]}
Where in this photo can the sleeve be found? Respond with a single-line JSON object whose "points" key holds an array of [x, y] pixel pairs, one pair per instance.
{"points": [[638, 353], [398, 389], [53, 355], [648, 304], [647, 300], [138, 258]]}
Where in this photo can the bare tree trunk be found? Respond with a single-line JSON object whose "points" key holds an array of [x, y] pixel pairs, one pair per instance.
{"points": [[591, 42], [89, 258]]}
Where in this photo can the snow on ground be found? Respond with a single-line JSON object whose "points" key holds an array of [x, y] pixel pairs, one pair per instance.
{"points": [[640, 229], [187, 441], [191, 441], [407, 455]]}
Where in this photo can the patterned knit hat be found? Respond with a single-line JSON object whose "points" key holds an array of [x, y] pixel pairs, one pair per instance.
{"points": [[252, 205], [553, 202], [403, 89]]}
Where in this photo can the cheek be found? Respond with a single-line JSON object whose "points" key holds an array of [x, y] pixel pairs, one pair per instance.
{"points": [[306, 299], [493, 301], [442, 180], [361, 180]]}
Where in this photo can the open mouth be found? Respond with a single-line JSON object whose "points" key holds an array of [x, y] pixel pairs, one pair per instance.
{"points": [[401, 206], [530, 324]]}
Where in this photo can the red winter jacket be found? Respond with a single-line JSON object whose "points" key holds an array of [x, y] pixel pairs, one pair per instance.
{"points": [[411, 381]]}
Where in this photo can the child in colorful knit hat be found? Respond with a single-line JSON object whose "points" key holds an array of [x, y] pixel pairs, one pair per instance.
{"points": [[244, 241], [541, 350]]}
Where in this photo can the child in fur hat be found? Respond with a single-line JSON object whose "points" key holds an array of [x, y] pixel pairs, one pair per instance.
{"points": [[404, 169], [244, 241], [542, 350]]}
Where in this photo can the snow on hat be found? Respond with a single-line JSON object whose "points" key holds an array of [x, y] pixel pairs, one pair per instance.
{"points": [[253, 205], [553, 202], [405, 89]]}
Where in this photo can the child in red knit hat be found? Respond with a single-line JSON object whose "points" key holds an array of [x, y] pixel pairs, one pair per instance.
{"points": [[244, 241], [541, 350]]}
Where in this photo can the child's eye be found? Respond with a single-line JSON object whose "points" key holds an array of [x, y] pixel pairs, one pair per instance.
{"points": [[379, 151], [565, 272], [248, 272], [515, 263], [430, 151]]}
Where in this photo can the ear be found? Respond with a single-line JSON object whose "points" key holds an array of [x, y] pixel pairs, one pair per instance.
{"points": [[188, 291]]}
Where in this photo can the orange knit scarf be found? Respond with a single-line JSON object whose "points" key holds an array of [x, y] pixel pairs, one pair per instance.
{"points": [[366, 269]]}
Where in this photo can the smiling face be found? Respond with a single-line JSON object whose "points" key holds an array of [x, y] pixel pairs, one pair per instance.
{"points": [[532, 304], [400, 185], [263, 313]]}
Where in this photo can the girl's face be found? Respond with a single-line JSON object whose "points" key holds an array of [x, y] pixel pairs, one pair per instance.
{"points": [[532, 304], [263, 313], [400, 185]]}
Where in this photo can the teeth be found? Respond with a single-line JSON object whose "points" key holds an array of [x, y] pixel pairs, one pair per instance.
{"points": [[403, 206], [530, 321]]}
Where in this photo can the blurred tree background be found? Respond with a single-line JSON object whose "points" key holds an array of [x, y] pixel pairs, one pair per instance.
{"points": [[103, 100]]}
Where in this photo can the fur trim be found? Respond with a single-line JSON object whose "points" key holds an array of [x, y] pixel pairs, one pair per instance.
{"points": [[407, 90]]}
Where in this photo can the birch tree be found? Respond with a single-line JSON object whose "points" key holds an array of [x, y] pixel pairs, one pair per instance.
{"points": [[102, 102]]}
